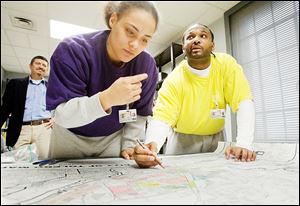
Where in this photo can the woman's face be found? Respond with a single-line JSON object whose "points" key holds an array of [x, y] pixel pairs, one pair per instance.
{"points": [[130, 34]]}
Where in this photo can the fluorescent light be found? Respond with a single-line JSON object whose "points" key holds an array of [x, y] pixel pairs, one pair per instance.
{"points": [[60, 30]]}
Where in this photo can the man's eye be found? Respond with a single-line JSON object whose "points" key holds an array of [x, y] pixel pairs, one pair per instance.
{"points": [[189, 37]]}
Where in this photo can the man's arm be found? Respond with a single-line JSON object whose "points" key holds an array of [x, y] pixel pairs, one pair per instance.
{"points": [[245, 124], [245, 133], [156, 135], [157, 132]]}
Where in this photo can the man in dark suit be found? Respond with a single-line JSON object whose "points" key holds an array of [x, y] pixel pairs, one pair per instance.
{"points": [[24, 100]]}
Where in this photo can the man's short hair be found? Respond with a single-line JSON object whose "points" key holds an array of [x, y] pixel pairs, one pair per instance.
{"points": [[38, 57], [198, 24]]}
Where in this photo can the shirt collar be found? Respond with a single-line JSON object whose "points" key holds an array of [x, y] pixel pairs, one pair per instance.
{"points": [[33, 81], [201, 73]]}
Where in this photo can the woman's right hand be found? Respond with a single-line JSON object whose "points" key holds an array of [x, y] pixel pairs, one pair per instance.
{"points": [[124, 90], [146, 157]]}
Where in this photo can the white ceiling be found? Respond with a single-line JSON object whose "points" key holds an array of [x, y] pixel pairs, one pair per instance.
{"points": [[18, 45]]}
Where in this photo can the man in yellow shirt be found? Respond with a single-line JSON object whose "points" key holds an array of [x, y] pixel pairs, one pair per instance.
{"points": [[190, 109]]}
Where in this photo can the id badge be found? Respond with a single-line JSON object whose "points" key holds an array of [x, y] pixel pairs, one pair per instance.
{"points": [[217, 113], [128, 115]]}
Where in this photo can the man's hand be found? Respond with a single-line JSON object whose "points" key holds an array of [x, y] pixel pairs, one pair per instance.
{"points": [[146, 157], [49, 124], [240, 153], [127, 153]]}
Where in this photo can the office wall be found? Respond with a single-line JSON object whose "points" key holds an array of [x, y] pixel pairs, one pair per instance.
{"points": [[218, 28], [12, 75]]}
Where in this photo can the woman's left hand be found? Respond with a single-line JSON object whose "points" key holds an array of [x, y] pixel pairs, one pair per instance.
{"points": [[127, 153]]}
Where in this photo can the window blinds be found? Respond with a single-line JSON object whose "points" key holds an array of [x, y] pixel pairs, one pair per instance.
{"points": [[265, 41]]}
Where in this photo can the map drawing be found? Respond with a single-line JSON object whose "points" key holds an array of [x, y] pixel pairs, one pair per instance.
{"points": [[207, 178]]}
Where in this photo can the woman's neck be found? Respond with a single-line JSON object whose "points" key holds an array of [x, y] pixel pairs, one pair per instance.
{"points": [[111, 55]]}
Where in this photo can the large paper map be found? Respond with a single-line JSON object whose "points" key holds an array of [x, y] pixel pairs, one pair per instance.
{"points": [[188, 179]]}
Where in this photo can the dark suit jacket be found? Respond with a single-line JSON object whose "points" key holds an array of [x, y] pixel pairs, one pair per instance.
{"points": [[13, 100]]}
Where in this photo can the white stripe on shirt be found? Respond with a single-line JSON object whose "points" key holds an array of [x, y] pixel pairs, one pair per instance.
{"points": [[245, 124]]}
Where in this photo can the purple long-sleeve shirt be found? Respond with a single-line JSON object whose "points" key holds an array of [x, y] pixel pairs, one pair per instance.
{"points": [[80, 67]]}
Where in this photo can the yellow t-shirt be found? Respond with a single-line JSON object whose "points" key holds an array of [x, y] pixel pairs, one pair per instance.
{"points": [[185, 99]]}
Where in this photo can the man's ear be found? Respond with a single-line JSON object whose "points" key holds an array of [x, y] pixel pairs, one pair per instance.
{"points": [[213, 46], [113, 19], [183, 48]]}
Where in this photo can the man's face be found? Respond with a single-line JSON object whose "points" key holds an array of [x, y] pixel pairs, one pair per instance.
{"points": [[39, 67], [198, 42]]}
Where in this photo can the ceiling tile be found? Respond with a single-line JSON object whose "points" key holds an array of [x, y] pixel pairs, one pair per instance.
{"points": [[25, 68], [32, 7], [17, 38], [30, 53], [7, 50], [164, 33], [53, 43], [181, 13], [24, 62], [210, 15], [4, 38], [42, 23], [11, 60], [82, 13], [39, 42], [224, 5], [175, 17]]}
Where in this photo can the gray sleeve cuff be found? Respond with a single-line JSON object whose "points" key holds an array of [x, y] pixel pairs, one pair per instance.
{"points": [[79, 111]]}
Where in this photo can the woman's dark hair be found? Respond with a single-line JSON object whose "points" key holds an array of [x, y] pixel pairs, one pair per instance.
{"points": [[38, 57], [211, 33], [120, 7]]}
